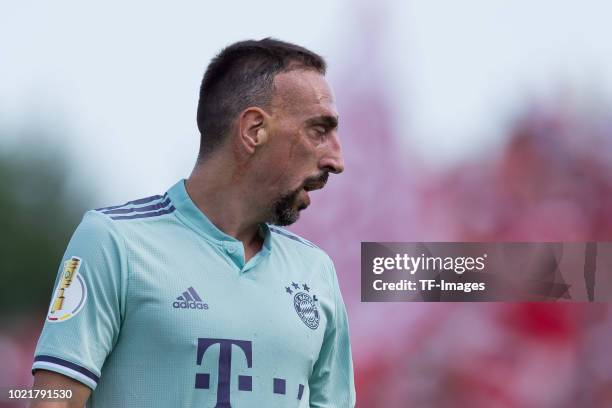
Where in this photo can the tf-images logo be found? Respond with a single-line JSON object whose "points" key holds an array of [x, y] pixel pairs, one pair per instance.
{"points": [[189, 300]]}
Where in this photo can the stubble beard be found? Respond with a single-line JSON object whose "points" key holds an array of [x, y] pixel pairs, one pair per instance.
{"points": [[286, 210]]}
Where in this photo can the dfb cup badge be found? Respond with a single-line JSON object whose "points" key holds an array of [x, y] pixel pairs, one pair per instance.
{"points": [[304, 304]]}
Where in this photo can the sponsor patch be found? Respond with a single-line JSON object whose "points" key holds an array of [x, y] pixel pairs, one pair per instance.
{"points": [[70, 295]]}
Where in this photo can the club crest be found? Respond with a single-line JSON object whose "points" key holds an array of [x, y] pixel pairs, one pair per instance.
{"points": [[304, 304]]}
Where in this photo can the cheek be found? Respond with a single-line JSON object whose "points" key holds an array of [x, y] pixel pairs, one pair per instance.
{"points": [[303, 157], [291, 159], [279, 176], [289, 183]]}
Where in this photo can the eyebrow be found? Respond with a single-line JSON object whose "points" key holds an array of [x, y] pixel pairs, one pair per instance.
{"points": [[325, 120]]}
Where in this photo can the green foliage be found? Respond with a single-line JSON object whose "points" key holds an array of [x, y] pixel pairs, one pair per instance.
{"points": [[37, 218]]}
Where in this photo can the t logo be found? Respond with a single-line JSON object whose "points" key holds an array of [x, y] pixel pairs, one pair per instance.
{"points": [[202, 380]]}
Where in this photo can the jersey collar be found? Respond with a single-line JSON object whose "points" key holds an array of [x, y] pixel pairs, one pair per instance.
{"points": [[196, 219]]}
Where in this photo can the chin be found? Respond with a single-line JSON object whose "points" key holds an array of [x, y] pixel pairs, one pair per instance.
{"points": [[286, 210], [283, 222], [287, 217]]}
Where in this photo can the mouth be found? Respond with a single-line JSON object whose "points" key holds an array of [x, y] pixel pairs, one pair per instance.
{"points": [[313, 186], [316, 183]]}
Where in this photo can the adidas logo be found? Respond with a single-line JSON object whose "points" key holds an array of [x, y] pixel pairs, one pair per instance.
{"points": [[189, 300]]}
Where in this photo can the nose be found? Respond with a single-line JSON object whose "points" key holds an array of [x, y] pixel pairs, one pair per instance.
{"points": [[332, 160]]}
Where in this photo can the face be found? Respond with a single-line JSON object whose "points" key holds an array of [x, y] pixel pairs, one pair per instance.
{"points": [[303, 147]]}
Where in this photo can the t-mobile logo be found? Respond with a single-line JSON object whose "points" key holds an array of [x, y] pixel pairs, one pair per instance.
{"points": [[245, 382]]}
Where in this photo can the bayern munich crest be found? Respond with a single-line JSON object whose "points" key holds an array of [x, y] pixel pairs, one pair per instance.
{"points": [[304, 304]]}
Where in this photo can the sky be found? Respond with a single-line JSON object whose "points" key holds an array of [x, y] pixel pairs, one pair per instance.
{"points": [[116, 83]]}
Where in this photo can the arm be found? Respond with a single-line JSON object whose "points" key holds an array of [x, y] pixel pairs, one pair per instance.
{"points": [[48, 380], [84, 316]]}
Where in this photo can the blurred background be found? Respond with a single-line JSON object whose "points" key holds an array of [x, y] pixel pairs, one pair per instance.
{"points": [[473, 120]]}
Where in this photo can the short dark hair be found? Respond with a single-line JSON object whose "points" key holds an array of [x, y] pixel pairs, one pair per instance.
{"points": [[242, 75]]}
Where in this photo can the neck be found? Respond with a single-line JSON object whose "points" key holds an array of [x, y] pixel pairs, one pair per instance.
{"points": [[222, 193]]}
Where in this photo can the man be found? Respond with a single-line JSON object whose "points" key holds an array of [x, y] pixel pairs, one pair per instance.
{"points": [[196, 297]]}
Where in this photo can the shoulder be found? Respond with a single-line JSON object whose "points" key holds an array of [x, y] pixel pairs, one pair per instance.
{"points": [[301, 245], [108, 225], [95, 233]]}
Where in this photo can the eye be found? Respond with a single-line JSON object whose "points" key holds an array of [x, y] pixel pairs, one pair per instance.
{"points": [[319, 130]]}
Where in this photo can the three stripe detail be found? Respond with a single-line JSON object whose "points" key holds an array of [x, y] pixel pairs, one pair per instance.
{"points": [[157, 205], [290, 235]]}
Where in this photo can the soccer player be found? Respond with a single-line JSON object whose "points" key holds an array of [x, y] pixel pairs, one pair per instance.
{"points": [[197, 297]]}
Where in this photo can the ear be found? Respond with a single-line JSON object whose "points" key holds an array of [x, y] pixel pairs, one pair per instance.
{"points": [[253, 124]]}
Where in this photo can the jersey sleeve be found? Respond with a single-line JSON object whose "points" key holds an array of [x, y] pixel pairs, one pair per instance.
{"points": [[332, 383], [85, 313]]}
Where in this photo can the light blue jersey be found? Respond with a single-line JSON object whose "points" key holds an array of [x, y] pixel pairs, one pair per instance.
{"points": [[155, 307]]}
